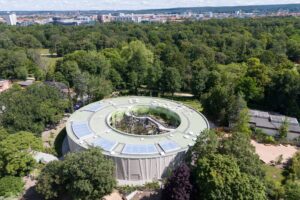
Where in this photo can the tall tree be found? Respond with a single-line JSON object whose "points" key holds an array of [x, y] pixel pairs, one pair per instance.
{"points": [[82, 175], [171, 80], [218, 177]]}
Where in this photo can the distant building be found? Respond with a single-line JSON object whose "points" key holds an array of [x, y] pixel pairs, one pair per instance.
{"points": [[105, 18], [65, 22], [4, 85], [11, 19], [271, 123]]}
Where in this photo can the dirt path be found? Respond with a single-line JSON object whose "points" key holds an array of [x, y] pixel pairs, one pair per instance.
{"points": [[268, 153], [48, 136]]}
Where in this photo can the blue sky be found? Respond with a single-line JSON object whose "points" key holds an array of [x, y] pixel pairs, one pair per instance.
{"points": [[10, 5]]}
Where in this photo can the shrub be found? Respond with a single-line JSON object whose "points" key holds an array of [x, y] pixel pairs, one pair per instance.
{"points": [[11, 186]]}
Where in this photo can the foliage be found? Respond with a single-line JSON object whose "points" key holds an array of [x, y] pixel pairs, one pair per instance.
{"points": [[262, 137], [11, 186], [238, 146], [178, 186], [207, 143], [15, 153], [252, 57], [127, 189], [171, 80], [283, 129], [219, 177], [292, 190], [273, 182], [169, 117], [31, 109], [151, 185], [293, 168], [50, 181], [82, 175]]}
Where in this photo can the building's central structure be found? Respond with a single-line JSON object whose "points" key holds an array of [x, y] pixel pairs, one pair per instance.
{"points": [[143, 135]]}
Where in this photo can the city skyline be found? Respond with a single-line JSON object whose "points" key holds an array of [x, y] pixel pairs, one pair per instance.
{"points": [[36, 5]]}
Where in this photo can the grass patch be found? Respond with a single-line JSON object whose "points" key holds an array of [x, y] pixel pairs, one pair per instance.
{"points": [[273, 173], [59, 142], [48, 61], [189, 101]]}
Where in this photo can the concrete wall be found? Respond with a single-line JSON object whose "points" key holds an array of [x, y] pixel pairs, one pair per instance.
{"points": [[272, 132], [130, 170], [137, 171], [292, 136]]}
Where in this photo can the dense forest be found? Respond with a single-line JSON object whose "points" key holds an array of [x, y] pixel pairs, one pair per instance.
{"points": [[216, 60], [228, 65]]}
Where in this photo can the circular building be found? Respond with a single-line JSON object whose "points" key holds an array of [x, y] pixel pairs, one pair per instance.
{"points": [[143, 135]]}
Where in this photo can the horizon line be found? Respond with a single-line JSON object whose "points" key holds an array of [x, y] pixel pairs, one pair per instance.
{"points": [[168, 8]]}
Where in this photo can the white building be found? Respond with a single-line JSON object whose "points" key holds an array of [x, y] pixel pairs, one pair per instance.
{"points": [[11, 19], [138, 157]]}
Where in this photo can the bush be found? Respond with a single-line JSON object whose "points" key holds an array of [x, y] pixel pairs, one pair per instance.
{"points": [[152, 185], [11, 186], [260, 136], [269, 139], [127, 189]]}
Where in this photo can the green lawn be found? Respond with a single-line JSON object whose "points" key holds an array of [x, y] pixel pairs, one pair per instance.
{"points": [[189, 101], [273, 173], [49, 61]]}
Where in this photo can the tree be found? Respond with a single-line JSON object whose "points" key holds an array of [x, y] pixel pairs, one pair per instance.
{"points": [[10, 186], [282, 94], [292, 190], [218, 177], [50, 181], [218, 103], [15, 158], [178, 186], [238, 115], [171, 80], [283, 129], [274, 189], [294, 167], [200, 77], [207, 143], [293, 51], [138, 59], [82, 175], [98, 88], [31, 109], [133, 82], [248, 87], [69, 69], [242, 122], [238, 146], [3, 133]]}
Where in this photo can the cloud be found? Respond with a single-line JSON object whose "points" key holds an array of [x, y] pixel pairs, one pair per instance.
{"points": [[10, 5]]}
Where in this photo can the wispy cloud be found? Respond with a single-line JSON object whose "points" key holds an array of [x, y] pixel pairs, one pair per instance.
{"points": [[8, 5]]}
